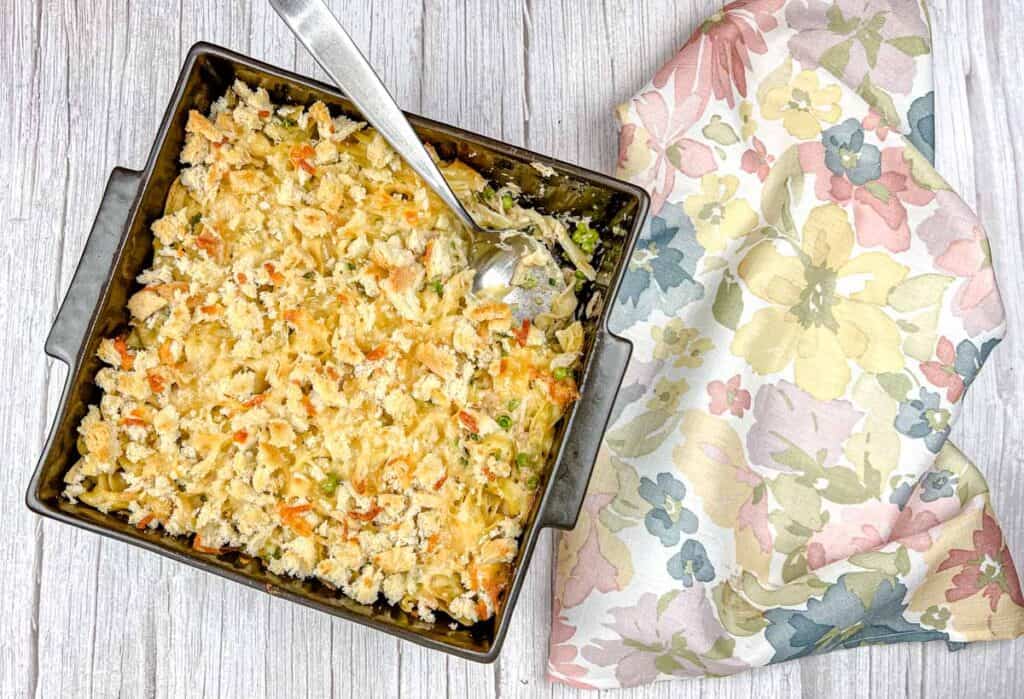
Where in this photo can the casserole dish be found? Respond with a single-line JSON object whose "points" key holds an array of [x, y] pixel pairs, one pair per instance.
{"points": [[120, 246]]}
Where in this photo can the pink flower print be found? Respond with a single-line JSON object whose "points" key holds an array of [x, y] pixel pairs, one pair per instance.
{"points": [[874, 122], [987, 568], [666, 125], [942, 373], [562, 655], [860, 528], [879, 206], [592, 571], [717, 55], [958, 245], [912, 529], [729, 37], [728, 396], [757, 160], [880, 211]]}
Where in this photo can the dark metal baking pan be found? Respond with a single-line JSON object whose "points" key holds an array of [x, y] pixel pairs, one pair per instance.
{"points": [[120, 246]]}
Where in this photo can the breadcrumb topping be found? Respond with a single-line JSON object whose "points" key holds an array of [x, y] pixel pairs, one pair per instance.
{"points": [[307, 378]]}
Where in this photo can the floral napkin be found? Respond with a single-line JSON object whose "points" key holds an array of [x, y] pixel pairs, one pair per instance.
{"points": [[808, 305]]}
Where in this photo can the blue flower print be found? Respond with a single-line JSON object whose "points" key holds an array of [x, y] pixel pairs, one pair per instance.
{"points": [[900, 495], [923, 418], [667, 519], [921, 117], [847, 154], [840, 619], [661, 271], [691, 563], [969, 359], [937, 484]]}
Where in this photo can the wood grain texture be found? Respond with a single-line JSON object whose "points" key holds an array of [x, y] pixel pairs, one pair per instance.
{"points": [[85, 85]]}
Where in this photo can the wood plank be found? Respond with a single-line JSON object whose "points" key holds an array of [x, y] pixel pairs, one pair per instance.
{"points": [[34, 59], [95, 633]]}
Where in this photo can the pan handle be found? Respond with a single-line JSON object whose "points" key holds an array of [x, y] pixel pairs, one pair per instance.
{"points": [[598, 389], [66, 340]]}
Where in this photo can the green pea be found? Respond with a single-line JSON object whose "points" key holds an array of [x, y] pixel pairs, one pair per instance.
{"points": [[561, 373], [504, 421], [329, 484], [522, 459], [532, 482], [507, 201]]}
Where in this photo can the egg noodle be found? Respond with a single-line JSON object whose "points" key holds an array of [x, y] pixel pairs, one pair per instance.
{"points": [[308, 379]]}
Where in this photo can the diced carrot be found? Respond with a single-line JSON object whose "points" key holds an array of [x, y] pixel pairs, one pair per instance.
{"points": [[275, 276], [481, 609], [241, 436], [469, 422], [488, 473], [291, 516], [241, 278], [127, 359], [428, 251], [367, 516], [299, 155], [332, 373], [523, 332], [209, 243], [263, 113], [255, 400], [432, 542], [291, 315], [211, 309], [562, 392], [156, 382], [308, 405], [377, 352], [134, 418], [144, 522], [197, 544], [411, 216], [440, 481], [165, 352], [292, 510]]}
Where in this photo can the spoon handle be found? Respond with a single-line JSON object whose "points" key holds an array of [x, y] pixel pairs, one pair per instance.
{"points": [[332, 47]]}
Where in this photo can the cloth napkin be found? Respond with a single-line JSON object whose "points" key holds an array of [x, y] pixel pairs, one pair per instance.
{"points": [[808, 303]]}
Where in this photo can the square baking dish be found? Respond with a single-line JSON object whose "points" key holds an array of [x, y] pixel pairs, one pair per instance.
{"points": [[120, 246]]}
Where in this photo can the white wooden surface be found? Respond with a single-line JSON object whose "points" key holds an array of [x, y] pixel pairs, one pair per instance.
{"points": [[84, 85]]}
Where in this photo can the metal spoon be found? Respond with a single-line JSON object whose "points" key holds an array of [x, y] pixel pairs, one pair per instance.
{"points": [[494, 255]]}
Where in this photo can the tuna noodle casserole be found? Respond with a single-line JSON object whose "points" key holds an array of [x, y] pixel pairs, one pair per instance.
{"points": [[307, 378]]}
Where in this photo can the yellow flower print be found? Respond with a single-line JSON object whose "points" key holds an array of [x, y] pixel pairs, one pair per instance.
{"points": [[826, 307], [802, 105], [747, 120], [717, 217], [677, 342], [667, 394]]}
